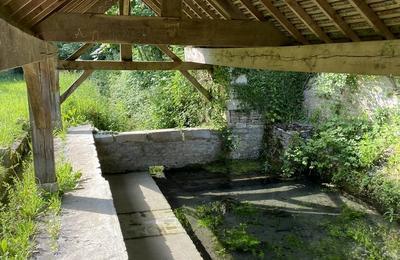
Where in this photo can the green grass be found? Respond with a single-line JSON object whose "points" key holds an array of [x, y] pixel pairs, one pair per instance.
{"points": [[86, 105], [13, 111], [25, 203]]}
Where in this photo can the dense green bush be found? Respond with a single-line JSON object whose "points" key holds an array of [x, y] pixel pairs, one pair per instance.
{"points": [[358, 154]]}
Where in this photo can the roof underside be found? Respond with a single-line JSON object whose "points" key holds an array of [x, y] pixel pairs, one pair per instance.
{"points": [[305, 21]]}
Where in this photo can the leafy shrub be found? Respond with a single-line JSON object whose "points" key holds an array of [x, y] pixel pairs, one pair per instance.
{"points": [[358, 154], [333, 151], [238, 239]]}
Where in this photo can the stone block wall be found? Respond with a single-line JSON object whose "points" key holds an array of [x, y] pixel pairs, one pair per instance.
{"points": [[247, 127], [171, 148]]}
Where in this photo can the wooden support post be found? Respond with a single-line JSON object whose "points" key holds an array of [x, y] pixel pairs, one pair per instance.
{"points": [[39, 81], [56, 118], [125, 49]]}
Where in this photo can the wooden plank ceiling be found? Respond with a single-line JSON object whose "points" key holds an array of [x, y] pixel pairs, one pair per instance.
{"points": [[304, 21]]}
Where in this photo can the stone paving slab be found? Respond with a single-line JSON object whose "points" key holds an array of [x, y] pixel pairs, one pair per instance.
{"points": [[149, 223], [136, 192], [150, 228], [88, 220], [165, 247]]}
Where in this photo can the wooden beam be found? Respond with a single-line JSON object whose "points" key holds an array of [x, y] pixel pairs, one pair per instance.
{"points": [[18, 48], [125, 49], [129, 65], [38, 80], [185, 73], [307, 20], [158, 30], [337, 20], [80, 51], [171, 8], [74, 86], [374, 57], [372, 18], [196, 84], [5, 15], [281, 18]]}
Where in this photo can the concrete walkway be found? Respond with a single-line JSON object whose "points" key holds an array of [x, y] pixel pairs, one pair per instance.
{"points": [[89, 222], [150, 228]]}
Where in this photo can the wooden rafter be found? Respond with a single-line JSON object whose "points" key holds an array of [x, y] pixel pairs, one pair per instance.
{"points": [[372, 57], [153, 6], [227, 9], [159, 30], [185, 73], [372, 18], [196, 9], [207, 10], [307, 20], [253, 10], [281, 18], [337, 20], [171, 8]]}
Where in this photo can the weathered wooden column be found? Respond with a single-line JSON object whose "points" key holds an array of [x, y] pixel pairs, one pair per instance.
{"points": [[40, 78], [56, 118]]}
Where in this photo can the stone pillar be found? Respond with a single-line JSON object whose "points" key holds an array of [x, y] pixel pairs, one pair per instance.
{"points": [[247, 127]]}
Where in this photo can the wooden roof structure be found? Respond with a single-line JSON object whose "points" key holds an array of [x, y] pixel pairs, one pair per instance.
{"points": [[352, 36], [302, 21]]}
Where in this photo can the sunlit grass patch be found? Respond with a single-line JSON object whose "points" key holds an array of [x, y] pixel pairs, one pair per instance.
{"points": [[25, 203], [13, 111]]}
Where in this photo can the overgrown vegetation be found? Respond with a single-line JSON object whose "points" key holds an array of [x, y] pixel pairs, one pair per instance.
{"points": [[236, 238], [242, 230], [25, 203], [276, 95], [359, 153]]}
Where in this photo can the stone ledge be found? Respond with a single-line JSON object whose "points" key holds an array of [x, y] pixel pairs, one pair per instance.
{"points": [[88, 219]]}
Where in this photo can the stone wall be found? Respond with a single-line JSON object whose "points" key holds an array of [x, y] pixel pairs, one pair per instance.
{"points": [[372, 94], [11, 156], [171, 148], [247, 127]]}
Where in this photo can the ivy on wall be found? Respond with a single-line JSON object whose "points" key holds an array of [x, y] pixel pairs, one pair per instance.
{"points": [[278, 96]]}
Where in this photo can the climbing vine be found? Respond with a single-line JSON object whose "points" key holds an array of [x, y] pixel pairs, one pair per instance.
{"points": [[277, 95]]}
